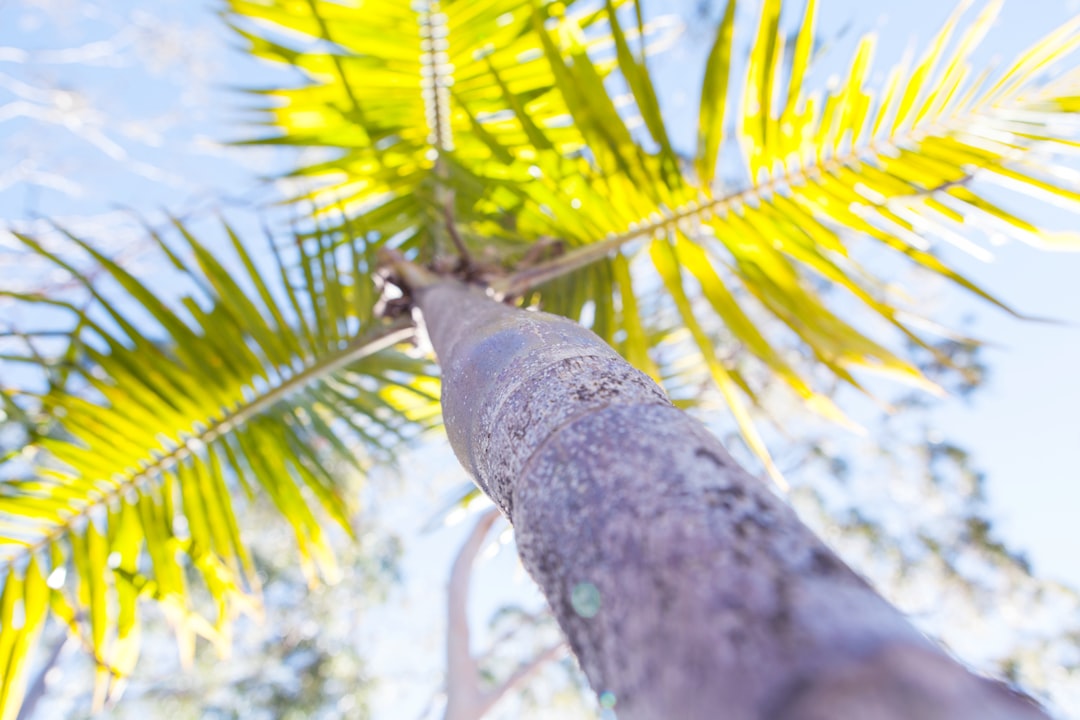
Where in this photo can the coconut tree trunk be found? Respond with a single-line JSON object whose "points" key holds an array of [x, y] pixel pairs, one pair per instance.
{"points": [[687, 589]]}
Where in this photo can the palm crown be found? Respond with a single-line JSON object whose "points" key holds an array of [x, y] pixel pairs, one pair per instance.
{"points": [[482, 140]]}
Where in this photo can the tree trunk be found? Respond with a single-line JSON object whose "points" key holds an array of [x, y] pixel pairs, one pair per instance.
{"points": [[687, 589]]}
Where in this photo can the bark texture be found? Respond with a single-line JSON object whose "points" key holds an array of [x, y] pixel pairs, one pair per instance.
{"points": [[687, 589]]}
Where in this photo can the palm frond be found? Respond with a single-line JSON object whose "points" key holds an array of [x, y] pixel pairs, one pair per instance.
{"points": [[545, 155], [168, 409], [395, 93], [904, 169]]}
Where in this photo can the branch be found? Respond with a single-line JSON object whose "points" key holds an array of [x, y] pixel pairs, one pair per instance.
{"points": [[452, 231], [464, 699], [523, 673], [412, 275]]}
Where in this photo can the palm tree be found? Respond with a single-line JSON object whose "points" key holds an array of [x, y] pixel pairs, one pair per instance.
{"points": [[482, 144]]}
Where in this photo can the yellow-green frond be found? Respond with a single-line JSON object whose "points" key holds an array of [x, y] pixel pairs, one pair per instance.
{"points": [[556, 183], [393, 87], [904, 165], [231, 373]]}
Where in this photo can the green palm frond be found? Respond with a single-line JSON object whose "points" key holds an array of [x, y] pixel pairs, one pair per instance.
{"points": [[546, 157], [168, 409], [821, 169], [403, 94]]}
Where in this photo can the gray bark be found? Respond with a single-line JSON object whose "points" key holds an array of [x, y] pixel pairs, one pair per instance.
{"points": [[686, 588]]}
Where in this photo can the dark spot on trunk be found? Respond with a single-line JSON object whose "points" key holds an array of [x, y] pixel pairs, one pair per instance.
{"points": [[707, 454], [725, 497], [823, 562], [781, 619], [715, 497]]}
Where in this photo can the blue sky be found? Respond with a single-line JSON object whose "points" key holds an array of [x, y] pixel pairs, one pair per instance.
{"points": [[1023, 427]]}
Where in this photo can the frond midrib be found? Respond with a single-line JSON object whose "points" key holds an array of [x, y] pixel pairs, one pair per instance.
{"points": [[696, 210], [435, 92], [320, 368]]}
